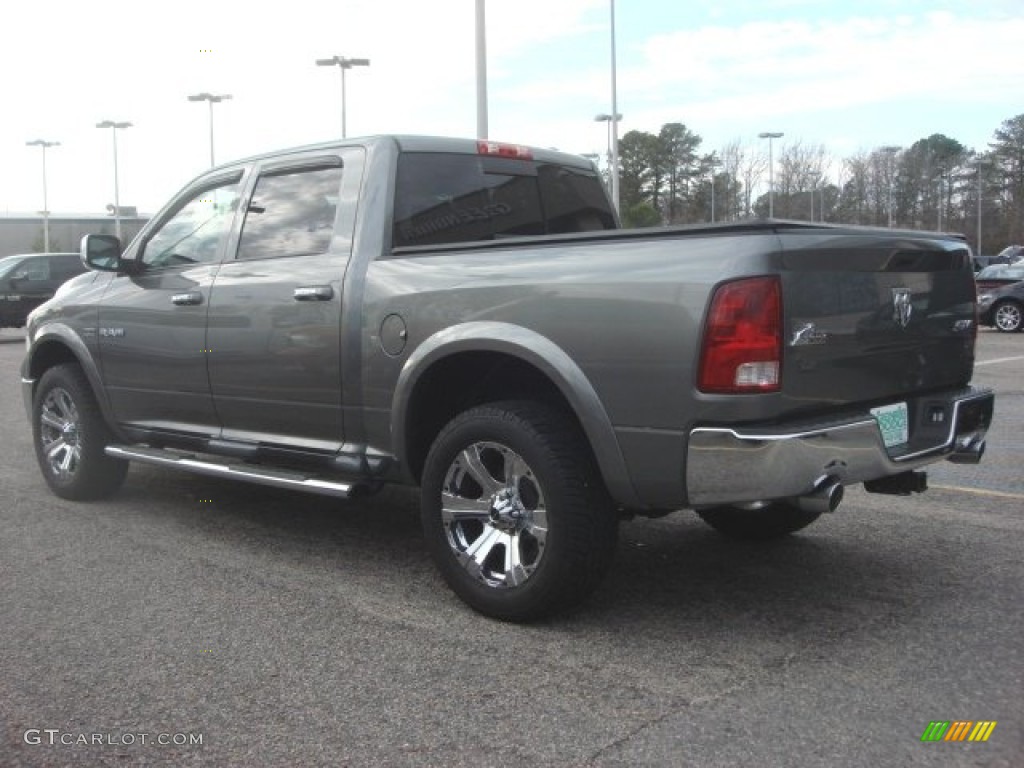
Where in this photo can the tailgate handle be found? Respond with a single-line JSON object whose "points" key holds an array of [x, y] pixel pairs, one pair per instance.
{"points": [[313, 293], [187, 299]]}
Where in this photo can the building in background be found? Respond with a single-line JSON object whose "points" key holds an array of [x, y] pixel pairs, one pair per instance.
{"points": [[23, 232]]}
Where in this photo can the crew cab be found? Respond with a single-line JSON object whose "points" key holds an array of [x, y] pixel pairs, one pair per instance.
{"points": [[464, 316]]}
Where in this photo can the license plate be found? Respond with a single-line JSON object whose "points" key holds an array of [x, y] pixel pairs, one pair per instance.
{"points": [[893, 423]]}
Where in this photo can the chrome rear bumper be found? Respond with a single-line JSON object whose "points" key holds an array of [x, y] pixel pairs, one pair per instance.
{"points": [[735, 465]]}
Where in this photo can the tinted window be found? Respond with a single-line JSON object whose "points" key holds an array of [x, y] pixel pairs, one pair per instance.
{"points": [[67, 266], [196, 230], [573, 200], [291, 214], [7, 265], [443, 198], [35, 269]]}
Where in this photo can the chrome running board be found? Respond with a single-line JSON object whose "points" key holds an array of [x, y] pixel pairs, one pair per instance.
{"points": [[279, 478]]}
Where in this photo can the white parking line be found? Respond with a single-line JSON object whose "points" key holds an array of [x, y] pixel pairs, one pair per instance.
{"points": [[998, 360], [978, 491]]}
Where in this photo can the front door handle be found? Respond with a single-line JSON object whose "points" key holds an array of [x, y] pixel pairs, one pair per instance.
{"points": [[313, 293], [190, 298]]}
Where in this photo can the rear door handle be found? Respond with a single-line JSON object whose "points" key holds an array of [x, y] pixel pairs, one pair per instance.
{"points": [[313, 293], [187, 299]]}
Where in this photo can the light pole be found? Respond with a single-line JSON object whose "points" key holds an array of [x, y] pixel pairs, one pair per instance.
{"points": [[46, 207], [891, 151], [713, 165], [771, 136], [481, 70], [613, 158], [117, 195], [213, 99], [343, 64], [978, 164], [614, 124]]}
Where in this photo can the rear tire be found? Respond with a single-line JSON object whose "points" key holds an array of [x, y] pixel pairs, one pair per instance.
{"points": [[70, 436], [774, 521], [515, 512]]}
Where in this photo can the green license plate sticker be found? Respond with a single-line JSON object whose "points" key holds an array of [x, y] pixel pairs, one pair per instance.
{"points": [[893, 423]]}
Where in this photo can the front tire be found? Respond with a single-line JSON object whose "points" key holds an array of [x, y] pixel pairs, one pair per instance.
{"points": [[70, 436], [1008, 317], [771, 522], [514, 511]]}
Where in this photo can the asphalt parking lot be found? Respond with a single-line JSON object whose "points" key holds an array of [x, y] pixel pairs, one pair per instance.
{"points": [[280, 629]]}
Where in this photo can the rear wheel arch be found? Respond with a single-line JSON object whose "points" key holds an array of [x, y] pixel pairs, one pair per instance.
{"points": [[497, 361]]}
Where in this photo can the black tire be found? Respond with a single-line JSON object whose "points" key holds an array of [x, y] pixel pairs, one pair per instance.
{"points": [[1008, 317], [771, 522], [524, 549], [69, 435]]}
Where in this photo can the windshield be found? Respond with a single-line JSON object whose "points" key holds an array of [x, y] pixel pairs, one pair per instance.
{"points": [[1001, 273], [8, 264], [1010, 252]]}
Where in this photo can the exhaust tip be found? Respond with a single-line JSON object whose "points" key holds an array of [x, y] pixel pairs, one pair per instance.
{"points": [[825, 498]]}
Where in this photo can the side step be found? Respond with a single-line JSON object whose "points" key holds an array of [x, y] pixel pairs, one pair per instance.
{"points": [[189, 462]]}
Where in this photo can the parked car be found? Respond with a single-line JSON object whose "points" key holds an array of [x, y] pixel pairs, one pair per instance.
{"points": [[1011, 254], [998, 275], [1002, 307], [29, 279]]}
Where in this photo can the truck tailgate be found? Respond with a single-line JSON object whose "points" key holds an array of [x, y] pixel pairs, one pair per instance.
{"points": [[879, 323]]}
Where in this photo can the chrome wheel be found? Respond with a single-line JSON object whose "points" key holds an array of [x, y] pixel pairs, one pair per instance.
{"points": [[494, 514], [1008, 317], [59, 433], [70, 436], [514, 510]]}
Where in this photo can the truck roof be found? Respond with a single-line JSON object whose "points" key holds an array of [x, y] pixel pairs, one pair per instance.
{"points": [[415, 143]]}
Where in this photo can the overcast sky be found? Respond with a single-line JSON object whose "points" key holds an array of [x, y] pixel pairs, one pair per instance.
{"points": [[849, 75]]}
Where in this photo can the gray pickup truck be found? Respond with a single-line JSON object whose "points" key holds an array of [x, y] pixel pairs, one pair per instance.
{"points": [[459, 316]]}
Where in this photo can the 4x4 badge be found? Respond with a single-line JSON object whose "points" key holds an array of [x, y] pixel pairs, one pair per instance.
{"points": [[902, 307]]}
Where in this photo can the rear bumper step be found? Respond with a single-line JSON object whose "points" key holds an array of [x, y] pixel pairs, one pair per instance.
{"points": [[190, 462]]}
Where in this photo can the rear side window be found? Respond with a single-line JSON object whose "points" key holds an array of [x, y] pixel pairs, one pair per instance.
{"points": [[451, 198], [291, 214], [67, 266]]}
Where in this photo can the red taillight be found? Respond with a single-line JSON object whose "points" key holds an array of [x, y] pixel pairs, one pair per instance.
{"points": [[742, 349], [496, 149]]}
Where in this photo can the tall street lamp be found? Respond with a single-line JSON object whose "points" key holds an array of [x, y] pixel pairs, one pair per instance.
{"points": [[614, 124], [213, 99], [771, 136], [979, 163], [46, 207], [613, 156], [117, 195], [481, 70], [891, 151], [713, 165], [344, 64]]}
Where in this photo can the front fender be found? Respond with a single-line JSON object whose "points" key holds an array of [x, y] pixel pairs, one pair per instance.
{"points": [[54, 344], [544, 355]]}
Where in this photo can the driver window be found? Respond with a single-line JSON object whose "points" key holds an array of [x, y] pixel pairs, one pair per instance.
{"points": [[196, 231]]}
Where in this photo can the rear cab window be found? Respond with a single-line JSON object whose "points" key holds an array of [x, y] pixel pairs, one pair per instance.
{"points": [[452, 198]]}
